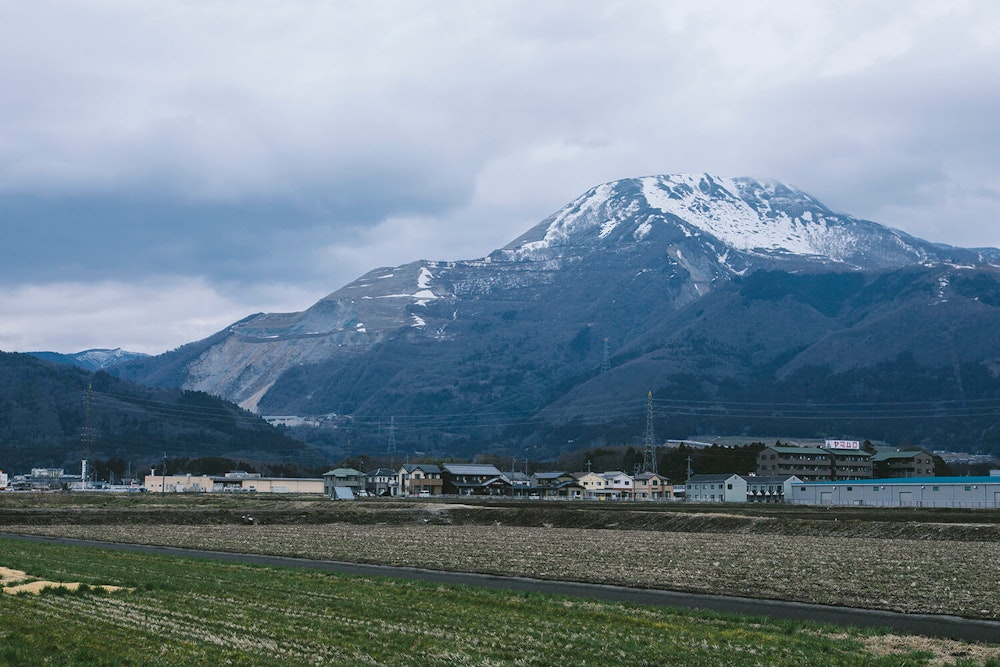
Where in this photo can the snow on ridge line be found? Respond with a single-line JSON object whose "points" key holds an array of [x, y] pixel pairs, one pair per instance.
{"points": [[747, 214], [738, 224]]}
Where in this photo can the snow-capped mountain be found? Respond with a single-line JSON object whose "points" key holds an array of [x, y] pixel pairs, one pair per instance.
{"points": [[758, 221], [91, 360], [673, 284]]}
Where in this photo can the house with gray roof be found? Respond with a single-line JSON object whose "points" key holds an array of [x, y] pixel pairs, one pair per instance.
{"points": [[769, 488], [419, 479], [724, 488], [382, 482], [343, 478], [462, 479]]}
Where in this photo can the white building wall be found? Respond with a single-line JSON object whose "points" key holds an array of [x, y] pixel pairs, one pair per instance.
{"points": [[970, 493]]}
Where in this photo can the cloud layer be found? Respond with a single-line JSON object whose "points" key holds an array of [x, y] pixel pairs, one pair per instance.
{"points": [[221, 154]]}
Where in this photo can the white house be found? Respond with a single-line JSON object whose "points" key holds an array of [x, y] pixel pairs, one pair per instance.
{"points": [[725, 488], [618, 485]]}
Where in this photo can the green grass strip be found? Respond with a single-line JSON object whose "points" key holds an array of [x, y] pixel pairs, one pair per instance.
{"points": [[186, 611]]}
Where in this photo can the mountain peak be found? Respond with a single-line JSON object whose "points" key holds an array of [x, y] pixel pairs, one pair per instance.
{"points": [[765, 221], [622, 263]]}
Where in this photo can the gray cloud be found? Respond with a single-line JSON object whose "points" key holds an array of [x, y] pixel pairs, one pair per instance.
{"points": [[274, 149]]}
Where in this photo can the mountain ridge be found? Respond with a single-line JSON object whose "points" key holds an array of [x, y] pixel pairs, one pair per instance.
{"points": [[591, 285], [52, 415], [94, 359]]}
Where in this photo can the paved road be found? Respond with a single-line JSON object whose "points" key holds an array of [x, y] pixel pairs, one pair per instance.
{"points": [[929, 625]]}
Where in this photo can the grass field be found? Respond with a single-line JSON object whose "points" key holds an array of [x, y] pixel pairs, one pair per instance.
{"points": [[187, 612], [917, 562], [191, 612]]}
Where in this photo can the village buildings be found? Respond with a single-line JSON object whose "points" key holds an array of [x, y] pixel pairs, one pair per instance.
{"points": [[911, 463], [725, 488], [419, 479], [834, 475]]}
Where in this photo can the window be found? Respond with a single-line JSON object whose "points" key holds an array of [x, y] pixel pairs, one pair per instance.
{"points": [[935, 488], [729, 486]]}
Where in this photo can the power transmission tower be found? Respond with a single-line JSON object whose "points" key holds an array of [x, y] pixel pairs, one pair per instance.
{"points": [[391, 447], [88, 434], [606, 358], [649, 448]]}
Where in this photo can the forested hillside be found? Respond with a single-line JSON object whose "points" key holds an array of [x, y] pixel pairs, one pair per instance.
{"points": [[55, 415]]}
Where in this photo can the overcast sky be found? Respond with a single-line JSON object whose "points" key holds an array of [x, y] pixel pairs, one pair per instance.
{"points": [[168, 167]]}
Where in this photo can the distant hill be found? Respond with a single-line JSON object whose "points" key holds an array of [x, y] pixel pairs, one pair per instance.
{"points": [[44, 421], [91, 360], [745, 306]]}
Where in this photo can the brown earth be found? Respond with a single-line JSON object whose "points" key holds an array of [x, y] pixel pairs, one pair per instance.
{"points": [[898, 523]]}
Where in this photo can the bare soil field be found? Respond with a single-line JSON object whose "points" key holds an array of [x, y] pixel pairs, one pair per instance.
{"points": [[934, 562]]}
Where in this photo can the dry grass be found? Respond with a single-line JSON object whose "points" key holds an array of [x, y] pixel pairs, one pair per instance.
{"points": [[943, 651], [10, 581]]}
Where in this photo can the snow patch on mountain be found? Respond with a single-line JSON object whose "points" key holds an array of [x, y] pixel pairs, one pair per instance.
{"points": [[717, 206], [91, 360]]}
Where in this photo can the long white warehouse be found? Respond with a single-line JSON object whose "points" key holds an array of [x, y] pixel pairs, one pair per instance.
{"points": [[973, 492]]}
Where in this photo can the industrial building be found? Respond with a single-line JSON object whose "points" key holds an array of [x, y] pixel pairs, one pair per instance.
{"points": [[968, 492], [237, 482]]}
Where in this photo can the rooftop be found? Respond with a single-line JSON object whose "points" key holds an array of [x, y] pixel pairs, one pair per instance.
{"points": [[885, 456], [937, 481], [782, 449], [471, 469], [698, 479]]}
